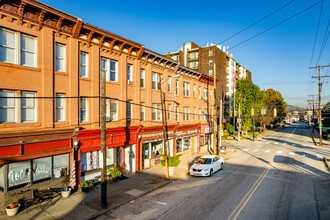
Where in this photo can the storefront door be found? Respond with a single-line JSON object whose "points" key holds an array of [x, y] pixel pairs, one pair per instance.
{"points": [[130, 158]]}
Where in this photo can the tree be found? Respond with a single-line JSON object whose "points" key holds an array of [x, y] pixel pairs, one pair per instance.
{"points": [[273, 100], [327, 107], [247, 95]]}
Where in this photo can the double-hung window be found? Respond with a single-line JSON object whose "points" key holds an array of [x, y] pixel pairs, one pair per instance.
{"points": [[205, 114], [142, 78], [169, 84], [200, 114], [18, 48], [169, 112], [60, 107], [210, 62], [186, 89], [129, 74], [112, 110], [186, 112], [194, 113], [156, 112], [199, 92], [129, 112], [177, 113], [177, 87], [83, 64], [110, 67], [142, 111], [83, 110], [156, 81], [22, 110], [206, 93], [60, 57], [194, 91]]}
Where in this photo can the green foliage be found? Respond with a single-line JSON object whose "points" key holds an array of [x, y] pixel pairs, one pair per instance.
{"points": [[114, 172], [225, 133], [273, 100], [229, 128], [172, 161], [87, 183], [14, 202], [326, 107]]}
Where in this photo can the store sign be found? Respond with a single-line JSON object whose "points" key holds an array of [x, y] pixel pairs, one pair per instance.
{"points": [[155, 134], [187, 132]]}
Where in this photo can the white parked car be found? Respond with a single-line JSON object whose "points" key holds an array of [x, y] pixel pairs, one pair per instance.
{"points": [[206, 165]]}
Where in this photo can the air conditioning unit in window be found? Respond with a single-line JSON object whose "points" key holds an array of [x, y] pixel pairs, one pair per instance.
{"points": [[130, 82]]}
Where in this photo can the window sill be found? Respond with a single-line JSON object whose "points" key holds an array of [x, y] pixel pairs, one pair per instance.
{"points": [[16, 125], [84, 78], [61, 73], [111, 82], [20, 67]]}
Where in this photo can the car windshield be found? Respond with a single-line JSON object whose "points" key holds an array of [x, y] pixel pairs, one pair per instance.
{"points": [[204, 161]]}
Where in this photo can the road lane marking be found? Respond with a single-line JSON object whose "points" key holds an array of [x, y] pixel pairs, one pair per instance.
{"points": [[291, 153], [314, 146], [267, 142], [256, 150], [275, 142], [246, 150], [279, 152], [162, 203], [285, 143], [249, 194], [267, 151]]}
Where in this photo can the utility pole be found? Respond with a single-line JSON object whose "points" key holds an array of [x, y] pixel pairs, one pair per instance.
{"points": [[320, 89], [215, 121], [104, 202], [239, 122], [220, 121], [234, 115], [254, 127], [313, 116], [162, 97]]}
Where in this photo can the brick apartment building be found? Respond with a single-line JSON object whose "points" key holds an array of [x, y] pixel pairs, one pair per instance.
{"points": [[227, 69], [50, 66]]}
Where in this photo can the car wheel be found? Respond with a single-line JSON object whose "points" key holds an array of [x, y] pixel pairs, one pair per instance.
{"points": [[221, 166], [211, 173]]}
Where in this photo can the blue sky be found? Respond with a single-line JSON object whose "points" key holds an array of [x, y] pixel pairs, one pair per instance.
{"points": [[278, 59]]}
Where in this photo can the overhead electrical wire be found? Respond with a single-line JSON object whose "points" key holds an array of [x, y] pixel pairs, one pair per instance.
{"points": [[254, 36], [317, 31], [257, 22], [324, 42]]}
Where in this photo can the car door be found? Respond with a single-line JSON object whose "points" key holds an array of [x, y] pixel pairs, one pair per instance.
{"points": [[218, 163], [215, 164]]}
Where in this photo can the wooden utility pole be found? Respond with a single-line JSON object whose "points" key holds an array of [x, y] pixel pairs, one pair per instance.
{"points": [[215, 121], [104, 202], [320, 89], [162, 98]]}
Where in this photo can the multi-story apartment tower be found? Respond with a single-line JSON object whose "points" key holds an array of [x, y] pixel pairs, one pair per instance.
{"points": [[227, 69], [50, 67]]}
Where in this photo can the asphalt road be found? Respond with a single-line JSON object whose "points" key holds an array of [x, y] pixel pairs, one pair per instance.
{"points": [[280, 177]]}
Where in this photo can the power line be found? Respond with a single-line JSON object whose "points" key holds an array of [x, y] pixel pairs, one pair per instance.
{"points": [[257, 22], [317, 31], [325, 39], [306, 9]]}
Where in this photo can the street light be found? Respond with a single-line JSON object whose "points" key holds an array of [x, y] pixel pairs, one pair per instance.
{"points": [[163, 118]]}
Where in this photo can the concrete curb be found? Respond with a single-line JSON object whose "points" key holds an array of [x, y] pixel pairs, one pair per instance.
{"points": [[102, 212]]}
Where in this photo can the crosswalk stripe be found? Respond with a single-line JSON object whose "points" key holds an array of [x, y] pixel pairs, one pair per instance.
{"points": [[245, 149], [267, 151], [267, 142], [256, 150], [275, 142], [291, 153], [279, 152]]}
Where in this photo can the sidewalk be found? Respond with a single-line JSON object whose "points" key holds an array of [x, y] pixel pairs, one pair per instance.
{"points": [[81, 205]]}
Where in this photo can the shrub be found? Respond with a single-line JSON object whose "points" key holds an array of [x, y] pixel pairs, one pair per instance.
{"points": [[87, 183], [172, 161], [114, 172]]}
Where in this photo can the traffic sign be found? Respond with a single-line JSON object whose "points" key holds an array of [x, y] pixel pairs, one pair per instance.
{"points": [[221, 133], [238, 120]]}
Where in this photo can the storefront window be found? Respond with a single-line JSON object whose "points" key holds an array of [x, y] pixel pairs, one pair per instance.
{"points": [[121, 157], [179, 145], [90, 161], [111, 156], [145, 148], [42, 168], [19, 173], [156, 148], [186, 143], [60, 166], [2, 176]]}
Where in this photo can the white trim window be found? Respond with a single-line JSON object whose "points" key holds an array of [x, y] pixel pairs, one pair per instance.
{"points": [[8, 107], [156, 112], [199, 92], [60, 107], [142, 111], [83, 64], [210, 52], [110, 67], [18, 48], [205, 114], [169, 112], [112, 110], [206, 93], [211, 72], [169, 82], [129, 110], [194, 113], [177, 113], [156, 81], [83, 110], [210, 62], [142, 78], [194, 92], [186, 89], [130, 74], [177, 87], [186, 113], [211, 94], [22, 110], [199, 114], [60, 57]]}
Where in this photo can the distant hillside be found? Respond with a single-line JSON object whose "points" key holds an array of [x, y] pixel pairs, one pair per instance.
{"points": [[293, 108]]}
